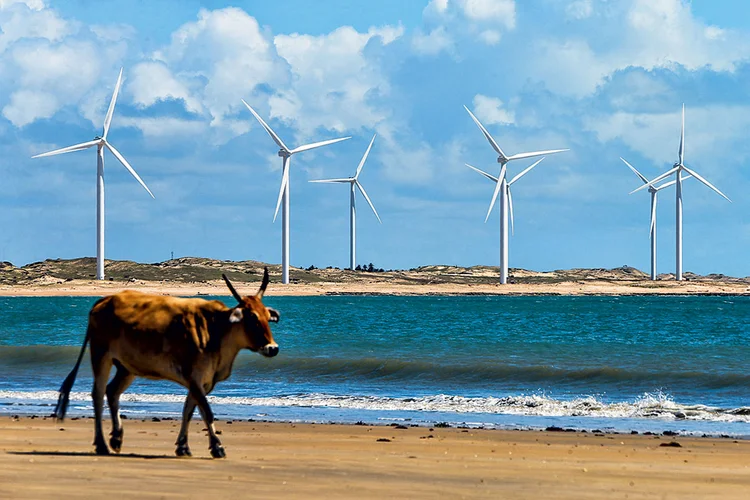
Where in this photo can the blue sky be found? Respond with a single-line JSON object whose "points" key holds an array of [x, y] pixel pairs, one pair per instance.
{"points": [[605, 78]]}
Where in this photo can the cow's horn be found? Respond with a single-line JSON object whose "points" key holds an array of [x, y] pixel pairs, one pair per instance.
{"points": [[264, 283], [231, 288]]}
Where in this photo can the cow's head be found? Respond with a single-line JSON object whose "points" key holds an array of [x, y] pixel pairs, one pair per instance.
{"points": [[255, 318]]}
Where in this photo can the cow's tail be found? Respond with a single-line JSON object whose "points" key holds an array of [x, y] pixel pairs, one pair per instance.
{"points": [[67, 385]]}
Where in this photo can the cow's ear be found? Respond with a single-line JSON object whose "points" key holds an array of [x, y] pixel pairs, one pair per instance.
{"points": [[236, 315], [274, 315]]}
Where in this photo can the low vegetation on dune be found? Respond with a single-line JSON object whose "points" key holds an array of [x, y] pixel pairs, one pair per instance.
{"points": [[202, 270]]}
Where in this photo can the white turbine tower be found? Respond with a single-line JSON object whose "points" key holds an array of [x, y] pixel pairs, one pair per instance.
{"points": [[353, 181], [678, 169], [101, 143], [286, 156], [652, 230], [501, 188]]}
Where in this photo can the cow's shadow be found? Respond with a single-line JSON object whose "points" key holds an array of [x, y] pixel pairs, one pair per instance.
{"points": [[142, 456]]}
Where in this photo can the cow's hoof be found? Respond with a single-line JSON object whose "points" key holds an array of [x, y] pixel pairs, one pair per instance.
{"points": [[183, 450], [115, 442], [217, 451], [101, 449]]}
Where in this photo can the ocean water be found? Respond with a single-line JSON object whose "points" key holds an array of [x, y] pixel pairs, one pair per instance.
{"points": [[610, 363]]}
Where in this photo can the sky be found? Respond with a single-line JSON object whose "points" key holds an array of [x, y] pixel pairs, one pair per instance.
{"points": [[605, 78]]}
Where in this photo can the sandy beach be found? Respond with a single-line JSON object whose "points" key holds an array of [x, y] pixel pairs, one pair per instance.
{"points": [[379, 287], [44, 459]]}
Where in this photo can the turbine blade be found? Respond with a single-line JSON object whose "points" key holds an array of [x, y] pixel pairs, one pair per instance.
{"points": [[69, 149], [364, 157], [111, 110], [671, 183], [490, 177], [497, 191], [682, 137], [487, 135], [510, 206], [284, 181], [514, 179], [362, 190], [314, 145], [704, 181], [662, 176], [128, 167], [333, 180], [640, 176], [521, 156], [273, 135]]}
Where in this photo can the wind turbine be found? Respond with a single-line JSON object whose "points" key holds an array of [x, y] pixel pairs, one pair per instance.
{"points": [[653, 190], [286, 156], [501, 187], [680, 167], [353, 181], [101, 142]]}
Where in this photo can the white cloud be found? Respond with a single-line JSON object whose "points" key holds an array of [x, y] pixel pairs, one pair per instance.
{"points": [[436, 7], [657, 34], [480, 19], [432, 43], [27, 105], [164, 127], [31, 4], [490, 37], [500, 11], [490, 111], [334, 84], [221, 57], [710, 134], [20, 20], [579, 9], [152, 81]]}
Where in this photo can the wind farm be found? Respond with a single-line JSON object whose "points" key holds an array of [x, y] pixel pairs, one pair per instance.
{"points": [[677, 171], [652, 226], [420, 351]]}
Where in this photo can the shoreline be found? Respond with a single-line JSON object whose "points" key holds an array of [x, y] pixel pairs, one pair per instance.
{"points": [[217, 288], [44, 459]]}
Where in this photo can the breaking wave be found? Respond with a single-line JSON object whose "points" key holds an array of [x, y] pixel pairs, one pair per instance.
{"points": [[648, 406]]}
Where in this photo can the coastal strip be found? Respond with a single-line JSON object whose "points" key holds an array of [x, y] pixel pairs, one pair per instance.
{"points": [[54, 288], [41, 458]]}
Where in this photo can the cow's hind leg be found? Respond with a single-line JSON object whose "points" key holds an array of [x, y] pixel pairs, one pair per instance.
{"points": [[101, 363], [183, 450], [120, 382], [214, 444]]}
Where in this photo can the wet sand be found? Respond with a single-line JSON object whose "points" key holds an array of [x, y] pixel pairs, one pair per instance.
{"points": [[581, 287], [43, 459]]}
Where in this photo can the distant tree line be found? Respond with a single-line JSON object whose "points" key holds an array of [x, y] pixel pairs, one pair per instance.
{"points": [[368, 268]]}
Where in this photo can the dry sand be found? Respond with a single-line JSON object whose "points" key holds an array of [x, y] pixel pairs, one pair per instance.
{"points": [[378, 287], [44, 459]]}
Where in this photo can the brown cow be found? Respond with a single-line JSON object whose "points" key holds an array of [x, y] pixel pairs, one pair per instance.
{"points": [[190, 341]]}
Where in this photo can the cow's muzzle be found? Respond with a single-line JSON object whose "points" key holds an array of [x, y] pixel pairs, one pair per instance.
{"points": [[270, 350]]}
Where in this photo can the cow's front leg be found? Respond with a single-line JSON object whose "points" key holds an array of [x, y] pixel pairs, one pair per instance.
{"points": [[214, 444], [120, 382], [183, 450]]}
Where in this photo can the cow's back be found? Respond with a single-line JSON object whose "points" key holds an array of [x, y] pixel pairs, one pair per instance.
{"points": [[152, 335]]}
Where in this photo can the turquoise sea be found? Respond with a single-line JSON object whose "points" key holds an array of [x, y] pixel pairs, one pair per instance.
{"points": [[609, 363]]}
